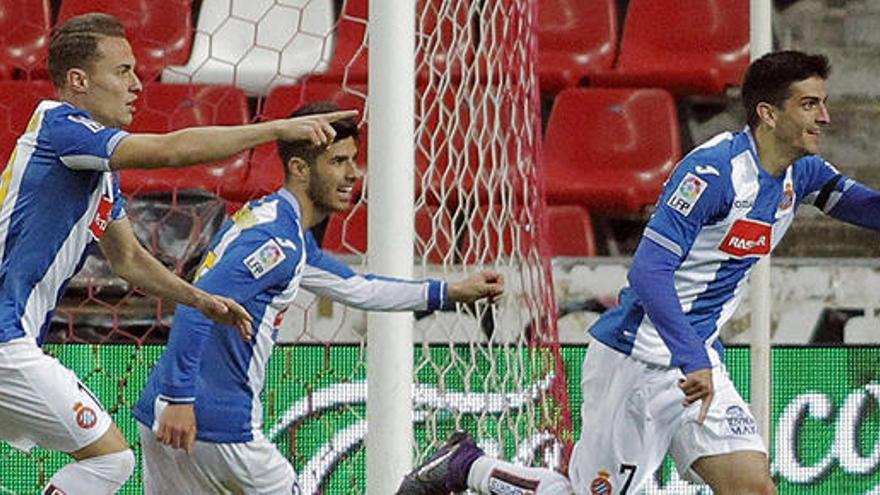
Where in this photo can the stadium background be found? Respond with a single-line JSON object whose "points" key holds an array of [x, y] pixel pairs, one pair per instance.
{"points": [[587, 72]]}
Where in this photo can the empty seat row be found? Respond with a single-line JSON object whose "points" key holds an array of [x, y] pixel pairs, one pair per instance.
{"points": [[570, 233], [257, 45], [160, 32]]}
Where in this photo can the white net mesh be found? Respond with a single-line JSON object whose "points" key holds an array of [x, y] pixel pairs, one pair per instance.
{"points": [[493, 370]]}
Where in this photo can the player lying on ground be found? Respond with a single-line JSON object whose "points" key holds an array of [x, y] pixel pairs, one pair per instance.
{"points": [[653, 379], [60, 197], [201, 414]]}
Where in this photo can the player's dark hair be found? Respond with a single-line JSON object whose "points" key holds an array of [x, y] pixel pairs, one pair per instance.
{"points": [[770, 77], [75, 43], [303, 148]]}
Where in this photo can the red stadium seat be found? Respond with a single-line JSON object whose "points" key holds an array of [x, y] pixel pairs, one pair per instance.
{"points": [[347, 233], [167, 107], [160, 31], [442, 43], [497, 232], [576, 38], [18, 100], [266, 173], [610, 150], [686, 47], [571, 231], [349, 62], [24, 38]]}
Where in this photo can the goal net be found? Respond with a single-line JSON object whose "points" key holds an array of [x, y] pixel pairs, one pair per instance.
{"points": [[494, 370]]}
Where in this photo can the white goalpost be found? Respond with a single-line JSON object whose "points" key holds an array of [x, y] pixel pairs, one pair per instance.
{"points": [[391, 155], [454, 186], [761, 42]]}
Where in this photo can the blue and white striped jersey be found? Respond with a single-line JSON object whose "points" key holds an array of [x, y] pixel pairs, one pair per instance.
{"points": [[720, 212], [260, 258], [58, 196]]}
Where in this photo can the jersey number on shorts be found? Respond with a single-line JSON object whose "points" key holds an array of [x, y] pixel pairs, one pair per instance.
{"points": [[630, 470]]}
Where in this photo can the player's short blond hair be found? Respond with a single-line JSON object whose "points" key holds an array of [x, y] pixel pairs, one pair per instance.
{"points": [[75, 43]]}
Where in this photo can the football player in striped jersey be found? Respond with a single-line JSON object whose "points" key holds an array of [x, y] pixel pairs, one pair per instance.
{"points": [[201, 412]]}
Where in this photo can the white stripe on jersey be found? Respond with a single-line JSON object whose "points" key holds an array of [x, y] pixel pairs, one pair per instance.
{"points": [[262, 349], [16, 168], [22, 152], [85, 162], [43, 295]]}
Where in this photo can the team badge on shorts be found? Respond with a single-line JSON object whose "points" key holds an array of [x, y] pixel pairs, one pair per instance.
{"points": [[740, 421], [85, 416], [687, 194], [601, 485]]}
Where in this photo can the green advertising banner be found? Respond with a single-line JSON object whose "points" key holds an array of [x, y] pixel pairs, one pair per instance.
{"points": [[825, 414]]}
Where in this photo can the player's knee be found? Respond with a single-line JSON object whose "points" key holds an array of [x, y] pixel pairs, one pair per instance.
{"points": [[117, 466], [103, 474]]}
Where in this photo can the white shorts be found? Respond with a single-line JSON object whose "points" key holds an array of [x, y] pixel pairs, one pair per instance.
{"points": [[254, 467], [633, 416], [43, 403]]}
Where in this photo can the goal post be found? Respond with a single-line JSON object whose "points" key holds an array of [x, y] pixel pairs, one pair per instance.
{"points": [[391, 155], [478, 204]]}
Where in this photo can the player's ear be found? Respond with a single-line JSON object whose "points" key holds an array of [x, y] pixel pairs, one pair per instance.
{"points": [[298, 168], [77, 80], [767, 114]]}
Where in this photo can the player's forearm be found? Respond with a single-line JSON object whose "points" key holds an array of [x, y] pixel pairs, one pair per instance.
{"points": [[326, 276], [191, 146], [142, 270], [652, 277], [858, 205], [380, 294], [189, 332]]}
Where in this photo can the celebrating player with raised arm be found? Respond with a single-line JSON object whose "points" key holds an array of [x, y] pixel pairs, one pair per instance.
{"points": [[200, 413], [654, 381], [59, 197]]}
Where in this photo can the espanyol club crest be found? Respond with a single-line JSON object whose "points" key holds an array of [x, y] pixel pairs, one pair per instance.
{"points": [[601, 485], [85, 416], [787, 197]]}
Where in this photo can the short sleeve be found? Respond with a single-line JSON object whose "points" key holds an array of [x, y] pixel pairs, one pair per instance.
{"points": [[815, 180], [80, 142], [119, 203]]}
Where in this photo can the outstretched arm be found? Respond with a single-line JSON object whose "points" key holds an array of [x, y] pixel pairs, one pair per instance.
{"points": [[856, 204], [131, 261], [208, 144], [326, 276]]}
